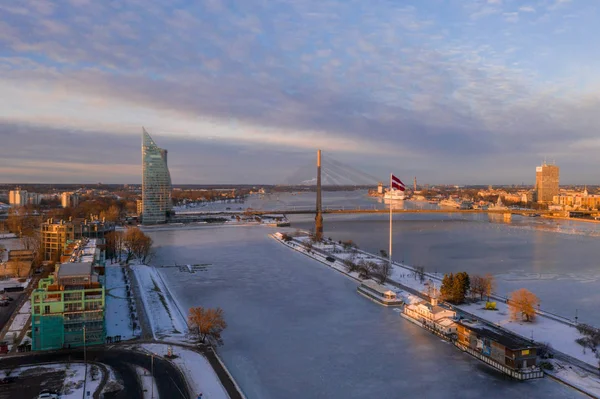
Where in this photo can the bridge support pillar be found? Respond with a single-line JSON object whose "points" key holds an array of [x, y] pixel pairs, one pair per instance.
{"points": [[319, 226], [319, 216]]}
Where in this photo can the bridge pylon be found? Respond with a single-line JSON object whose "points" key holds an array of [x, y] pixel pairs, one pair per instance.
{"points": [[319, 208]]}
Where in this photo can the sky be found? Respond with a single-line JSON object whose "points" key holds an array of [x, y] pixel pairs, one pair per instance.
{"points": [[449, 91]]}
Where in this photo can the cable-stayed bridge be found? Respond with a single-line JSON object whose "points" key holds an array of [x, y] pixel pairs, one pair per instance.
{"points": [[332, 174]]}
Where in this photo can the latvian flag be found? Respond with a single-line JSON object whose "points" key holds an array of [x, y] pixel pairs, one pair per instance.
{"points": [[397, 184]]}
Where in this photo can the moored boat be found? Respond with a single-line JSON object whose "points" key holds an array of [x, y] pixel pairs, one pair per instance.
{"points": [[378, 293]]}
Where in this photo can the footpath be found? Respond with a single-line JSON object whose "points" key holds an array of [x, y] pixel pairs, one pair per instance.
{"points": [[573, 365]]}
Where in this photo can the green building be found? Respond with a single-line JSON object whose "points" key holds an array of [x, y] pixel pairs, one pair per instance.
{"points": [[67, 305]]}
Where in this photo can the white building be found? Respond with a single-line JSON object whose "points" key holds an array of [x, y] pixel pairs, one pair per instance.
{"points": [[20, 197], [69, 200], [433, 316]]}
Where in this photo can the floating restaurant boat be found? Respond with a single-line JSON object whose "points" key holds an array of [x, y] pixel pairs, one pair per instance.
{"points": [[378, 293]]}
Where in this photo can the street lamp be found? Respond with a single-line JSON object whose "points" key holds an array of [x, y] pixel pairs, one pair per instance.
{"points": [[84, 361], [152, 374]]}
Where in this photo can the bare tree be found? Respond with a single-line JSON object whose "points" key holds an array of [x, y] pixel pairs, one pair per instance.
{"points": [[522, 304], [114, 245], [385, 269], [489, 285], [420, 273], [112, 214], [477, 286], [207, 324], [137, 244]]}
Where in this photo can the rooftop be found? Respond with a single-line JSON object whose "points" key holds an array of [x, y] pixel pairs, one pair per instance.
{"points": [[509, 341], [74, 269]]}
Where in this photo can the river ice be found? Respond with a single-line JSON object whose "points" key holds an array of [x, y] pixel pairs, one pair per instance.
{"points": [[298, 329]]}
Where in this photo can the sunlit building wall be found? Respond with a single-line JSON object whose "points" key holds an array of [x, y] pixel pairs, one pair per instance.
{"points": [[156, 182]]}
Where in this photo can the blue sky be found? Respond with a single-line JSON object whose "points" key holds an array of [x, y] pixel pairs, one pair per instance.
{"points": [[455, 91]]}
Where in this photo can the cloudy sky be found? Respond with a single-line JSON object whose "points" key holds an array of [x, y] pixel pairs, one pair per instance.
{"points": [[456, 91]]}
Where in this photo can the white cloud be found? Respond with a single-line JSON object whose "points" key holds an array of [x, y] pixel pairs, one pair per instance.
{"points": [[526, 9]]}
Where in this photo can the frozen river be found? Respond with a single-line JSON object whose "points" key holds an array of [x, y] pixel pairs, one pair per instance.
{"points": [[298, 329], [555, 260]]}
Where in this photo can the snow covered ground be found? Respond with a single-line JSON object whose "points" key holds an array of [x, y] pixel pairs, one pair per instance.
{"points": [[19, 323], [148, 383], [74, 377], [575, 376], [118, 320], [198, 372], [166, 318]]}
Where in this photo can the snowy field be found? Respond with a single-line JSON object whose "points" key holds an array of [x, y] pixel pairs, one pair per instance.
{"points": [[297, 329], [166, 318], [118, 320], [198, 372]]}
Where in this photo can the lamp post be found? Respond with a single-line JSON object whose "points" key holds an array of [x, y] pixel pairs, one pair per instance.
{"points": [[576, 316], [84, 361], [152, 372]]}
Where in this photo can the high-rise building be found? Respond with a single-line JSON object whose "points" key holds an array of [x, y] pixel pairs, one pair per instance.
{"points": [[546, 182], [69, 200], [156, 182], [18, 197]]}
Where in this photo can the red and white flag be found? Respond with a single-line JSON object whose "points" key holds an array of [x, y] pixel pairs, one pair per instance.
{"points": [[397, 184]]}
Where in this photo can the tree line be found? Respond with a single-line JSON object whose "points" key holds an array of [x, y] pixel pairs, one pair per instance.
{"points": [[130, 244]]}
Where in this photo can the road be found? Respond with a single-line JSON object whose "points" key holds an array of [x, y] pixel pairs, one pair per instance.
{"points": [[169, 381], [7, 311]]}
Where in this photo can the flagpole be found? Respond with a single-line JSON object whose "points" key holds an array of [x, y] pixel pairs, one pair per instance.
{"points": [[391, 203]]}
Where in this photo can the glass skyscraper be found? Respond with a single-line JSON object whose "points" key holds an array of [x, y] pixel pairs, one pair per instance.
{"points": [[156, 182]]}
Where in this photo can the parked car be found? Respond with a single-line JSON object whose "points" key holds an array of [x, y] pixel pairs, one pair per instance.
{"points": [[3, 303], [48, 394], [330, 259], [8, 380]]}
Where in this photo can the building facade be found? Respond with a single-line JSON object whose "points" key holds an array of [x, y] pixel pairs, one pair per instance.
{"points": [[20, 197], [69, 200], [156, 182], [508, 351], [57, 234], [433, 316], [67, 308], [546, 183]]}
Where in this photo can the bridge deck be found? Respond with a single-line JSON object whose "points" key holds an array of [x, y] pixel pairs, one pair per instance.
{"points": [[294, 211]]}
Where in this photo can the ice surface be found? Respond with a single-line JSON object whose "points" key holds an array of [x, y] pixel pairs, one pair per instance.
{"points": [[297, 329]]}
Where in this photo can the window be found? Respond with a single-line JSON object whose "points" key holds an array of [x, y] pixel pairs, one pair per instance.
{"points": [[525, 352], [46, 309]]}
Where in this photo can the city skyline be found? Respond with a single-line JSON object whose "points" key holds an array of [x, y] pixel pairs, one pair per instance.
{"points": [[475, 93]]}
